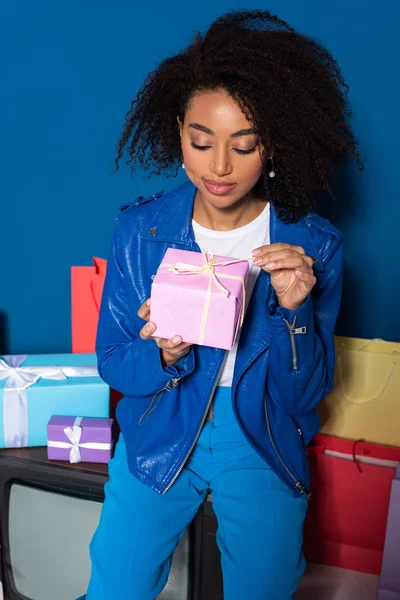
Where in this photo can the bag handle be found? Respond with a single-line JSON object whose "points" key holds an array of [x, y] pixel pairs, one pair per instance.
{"points": [[386, 383], [94, 296]]}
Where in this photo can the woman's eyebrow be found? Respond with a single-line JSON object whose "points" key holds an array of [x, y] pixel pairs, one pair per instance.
{"points": [[205, 129]]}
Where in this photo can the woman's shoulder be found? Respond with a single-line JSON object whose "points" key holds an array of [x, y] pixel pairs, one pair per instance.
{"points": [[135, 214], [325, 235], [140, 201]]}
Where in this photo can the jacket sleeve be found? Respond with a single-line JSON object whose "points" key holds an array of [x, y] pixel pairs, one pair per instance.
{"points": [[126, 362], [302, 350]]}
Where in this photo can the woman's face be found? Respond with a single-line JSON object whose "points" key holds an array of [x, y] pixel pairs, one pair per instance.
{"points": [[219, 149]]}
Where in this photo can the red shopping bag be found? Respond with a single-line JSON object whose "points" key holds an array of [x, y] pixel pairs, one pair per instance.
{"points": [[350, 493], [86, 291]]}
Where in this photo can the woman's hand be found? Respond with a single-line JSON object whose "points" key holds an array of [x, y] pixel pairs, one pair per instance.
{"points": [[172, 350], [292, 276]]}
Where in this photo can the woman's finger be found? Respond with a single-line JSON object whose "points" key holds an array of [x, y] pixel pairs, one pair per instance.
{"points": [[170, 344], [269, 254], [173, 355], [305, 268], [308, 279], [309, 260], [180, 350], [175, 346], [147, 331], [144, 310], [293, 262], [272, 257]]}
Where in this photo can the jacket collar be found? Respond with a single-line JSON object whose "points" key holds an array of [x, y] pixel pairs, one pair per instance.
{"points": [[173, 224]]}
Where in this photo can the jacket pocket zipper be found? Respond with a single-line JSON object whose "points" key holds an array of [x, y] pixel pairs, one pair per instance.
{"points": [[297, 484], [157, 397], [200, 427], [294, 331]]}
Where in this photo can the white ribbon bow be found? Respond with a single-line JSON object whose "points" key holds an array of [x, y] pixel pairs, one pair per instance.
{"points": [[74, 434], [208, 267], [19, 379]]}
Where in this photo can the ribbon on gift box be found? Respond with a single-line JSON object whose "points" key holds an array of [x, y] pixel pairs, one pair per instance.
{"points": [[74, 435], [19, 379], [208, 268]]}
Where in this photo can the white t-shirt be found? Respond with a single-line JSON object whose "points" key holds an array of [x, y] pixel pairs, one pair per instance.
{"points": [[236, 243]]}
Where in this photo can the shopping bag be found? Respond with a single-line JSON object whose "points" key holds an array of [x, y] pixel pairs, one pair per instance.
{"points": [[364, 403], [348, 510], [86, 291], [389, 584]]}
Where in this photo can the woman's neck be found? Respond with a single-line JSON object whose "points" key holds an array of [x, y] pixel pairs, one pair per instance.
{"points": [[225, 219]]}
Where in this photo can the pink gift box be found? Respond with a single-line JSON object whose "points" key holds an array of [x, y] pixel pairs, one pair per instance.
{"points": [[193, 304]]}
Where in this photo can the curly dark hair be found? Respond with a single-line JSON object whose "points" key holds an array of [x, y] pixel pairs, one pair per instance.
{"points": [[289, 87]]}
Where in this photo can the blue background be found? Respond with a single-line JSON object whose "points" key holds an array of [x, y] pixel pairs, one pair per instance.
{"points": [[71, 70]]}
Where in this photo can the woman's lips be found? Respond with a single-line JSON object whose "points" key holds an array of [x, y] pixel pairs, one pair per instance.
{"points": [[219, 189]]}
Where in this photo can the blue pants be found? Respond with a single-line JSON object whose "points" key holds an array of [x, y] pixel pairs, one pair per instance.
{"points": [[260, 522]]}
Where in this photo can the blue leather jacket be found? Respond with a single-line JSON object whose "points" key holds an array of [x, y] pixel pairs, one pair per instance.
{"points": [[285, 360]]}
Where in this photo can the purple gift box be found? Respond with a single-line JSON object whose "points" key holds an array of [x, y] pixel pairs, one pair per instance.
{"points": [[80, 439]]}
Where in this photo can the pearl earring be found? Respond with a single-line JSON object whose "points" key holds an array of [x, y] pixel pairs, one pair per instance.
{"points": [[183, 165], [272, 172]]}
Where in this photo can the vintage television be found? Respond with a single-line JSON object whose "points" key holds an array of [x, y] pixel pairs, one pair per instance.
{"points": [[48, 513]]}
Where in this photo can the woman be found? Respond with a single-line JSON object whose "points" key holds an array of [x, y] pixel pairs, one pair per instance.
{"points": [[256, 114]]}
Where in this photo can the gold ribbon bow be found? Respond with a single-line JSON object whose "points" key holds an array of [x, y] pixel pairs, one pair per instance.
{"points": [[208, 269]]}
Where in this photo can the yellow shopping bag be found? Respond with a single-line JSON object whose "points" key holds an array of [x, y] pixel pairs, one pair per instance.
{"points": [[365, 401]]}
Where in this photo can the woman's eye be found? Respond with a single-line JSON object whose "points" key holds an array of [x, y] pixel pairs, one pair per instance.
{"points": [[237, 150], [199, 147], [249, 151]]}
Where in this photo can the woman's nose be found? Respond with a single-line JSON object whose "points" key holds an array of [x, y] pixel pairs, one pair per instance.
{"points": [[221, 164]]}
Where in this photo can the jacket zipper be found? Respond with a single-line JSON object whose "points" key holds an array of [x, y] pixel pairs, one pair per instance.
{"points": [[200, 427], [297, 484], [294, 331], [158, 395]]}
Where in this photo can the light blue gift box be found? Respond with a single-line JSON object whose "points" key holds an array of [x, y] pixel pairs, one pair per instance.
{"points": [[82, 395]]}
